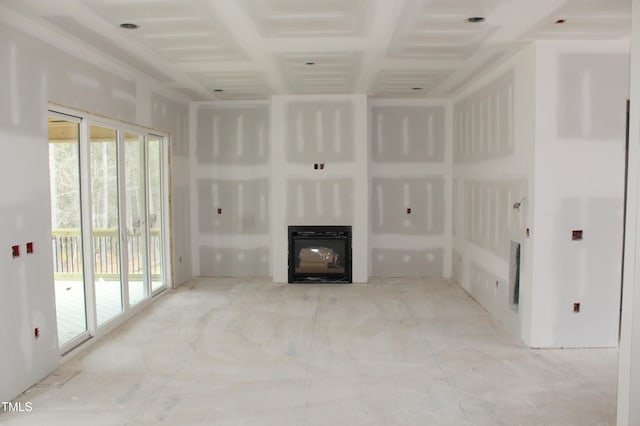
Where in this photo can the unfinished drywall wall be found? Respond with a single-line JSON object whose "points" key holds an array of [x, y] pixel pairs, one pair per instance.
{"points": [[456, 266], [173, 118], [492, 171], [562, 172], [589, 105], [483, 122], [455, 208], [581, 93], [408, 134], [32, 74], [321, 131], [409, 187], [231, 189], [319, 172], [234, 261], [487, 286], [413, 206], [229, 207], [233, 136], [327, 201], [490, 219], [628, 413], [407, 263]]}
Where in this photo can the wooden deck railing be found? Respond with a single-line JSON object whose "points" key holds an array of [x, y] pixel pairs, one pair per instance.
{"points": [[67, 253]]}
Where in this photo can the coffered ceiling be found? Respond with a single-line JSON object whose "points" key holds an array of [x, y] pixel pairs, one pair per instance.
{"points": [[252, 49]]}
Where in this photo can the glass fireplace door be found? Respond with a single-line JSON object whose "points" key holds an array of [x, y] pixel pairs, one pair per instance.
{"points": [[320, 254]]}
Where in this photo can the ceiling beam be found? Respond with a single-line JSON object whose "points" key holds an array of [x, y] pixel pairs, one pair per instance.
{"points": [[384, 22], [245, 34]]}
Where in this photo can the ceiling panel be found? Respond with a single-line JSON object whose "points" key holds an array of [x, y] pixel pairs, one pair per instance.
{"points": [[309, 18], [235, 85], [179, 30], [585, 19], [253, 49], [406, 84], [439, 29], [320, 73], [87, 35]]}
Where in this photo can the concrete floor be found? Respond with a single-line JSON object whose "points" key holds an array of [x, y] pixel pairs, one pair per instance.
{"points": [[251, 352]]}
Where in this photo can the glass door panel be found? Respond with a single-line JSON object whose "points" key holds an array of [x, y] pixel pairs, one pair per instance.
{"points": [[66, 241], [135, 217], [156, 257], [103, 154]]}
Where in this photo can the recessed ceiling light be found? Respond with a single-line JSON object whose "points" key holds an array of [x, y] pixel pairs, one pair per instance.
{"points": [[416, 88], [310, 63], [218, 90], [476, 19], [561, 21], [129, 26]]}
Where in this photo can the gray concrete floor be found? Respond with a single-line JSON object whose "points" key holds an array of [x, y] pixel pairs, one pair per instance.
{"points": [[391, 352]]}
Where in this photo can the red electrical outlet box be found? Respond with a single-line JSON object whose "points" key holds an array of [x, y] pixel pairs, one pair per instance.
{"points": [[29, 247], [15, 251]]}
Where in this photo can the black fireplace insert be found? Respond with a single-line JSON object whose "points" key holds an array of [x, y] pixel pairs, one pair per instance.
{"points": [[319, 254]]}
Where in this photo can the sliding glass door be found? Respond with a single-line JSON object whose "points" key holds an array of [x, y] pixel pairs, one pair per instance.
{"points": [[135, 217], [105, 222], [155, 217], [66, 226], [107, 192]]}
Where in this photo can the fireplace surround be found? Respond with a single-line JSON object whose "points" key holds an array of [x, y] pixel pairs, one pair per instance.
{"points": [[320, 254]]}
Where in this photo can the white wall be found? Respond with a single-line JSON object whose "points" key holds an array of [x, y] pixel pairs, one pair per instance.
{"points": [[173, 117], [581, 92], [564, 129], [33, 73], [325, 129], [629, 360], [410, 168], [493, 120], [231, 172], [405, 163]]}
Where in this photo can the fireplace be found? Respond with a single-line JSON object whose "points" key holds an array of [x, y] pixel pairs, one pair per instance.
{"points": [[319, 254]]}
